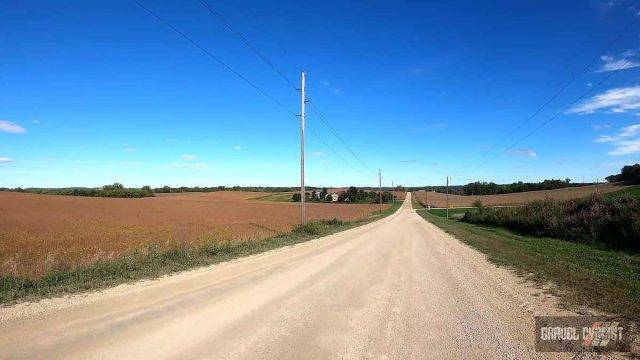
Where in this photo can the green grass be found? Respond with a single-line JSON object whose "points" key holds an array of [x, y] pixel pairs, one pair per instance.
{"points": [[153, 262], [583, 275], [632, 190], [279, 197]]}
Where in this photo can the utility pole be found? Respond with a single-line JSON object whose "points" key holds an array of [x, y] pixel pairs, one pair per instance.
{"points": [[302, 191], [380, 183], [447, 197], [393, 191], [426, 198]]}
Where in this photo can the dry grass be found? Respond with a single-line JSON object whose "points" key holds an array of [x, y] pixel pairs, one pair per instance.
{"points": [[439, 200], [39, 233]]}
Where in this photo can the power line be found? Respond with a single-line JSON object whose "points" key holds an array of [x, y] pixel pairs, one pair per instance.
{"points": [[561, 90], [246, 42], [337, 134], [209, 54], [264, 58], [228, 67], [558, 114]]}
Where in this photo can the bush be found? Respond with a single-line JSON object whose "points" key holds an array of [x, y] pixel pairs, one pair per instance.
{"points": [[608, 222], [296, 197]]}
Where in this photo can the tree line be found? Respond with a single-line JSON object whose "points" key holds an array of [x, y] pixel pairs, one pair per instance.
{"points": [[351, 195], [629, 174]]}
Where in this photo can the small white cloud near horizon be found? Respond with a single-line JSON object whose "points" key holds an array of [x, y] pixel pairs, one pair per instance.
{"points": [[129, 163], [188, 165], [237, 147], [318, 153], [615, 63], [129, 149], [530, 153], [6, 160], [617, 100], [10, 127], [187, 157], [35, 121]]}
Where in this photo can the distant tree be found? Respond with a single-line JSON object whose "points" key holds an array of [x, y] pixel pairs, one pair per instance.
{"points": [[296, 197], [146, 188], [629, 174], [343, 197], [114, 186]]}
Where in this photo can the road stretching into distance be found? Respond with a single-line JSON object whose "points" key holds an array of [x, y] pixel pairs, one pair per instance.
{"points": [[396, 288]]}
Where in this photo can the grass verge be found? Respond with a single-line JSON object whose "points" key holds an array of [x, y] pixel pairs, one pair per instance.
{"points": [[605, 280], [279, 197], [153, 262], [632, 190]]}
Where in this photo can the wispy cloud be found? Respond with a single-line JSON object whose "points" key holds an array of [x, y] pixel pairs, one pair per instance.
{"points": [[318, 153], [35, 121], [600, 127], [626, 148], [129, 149], [618, 100], [237, 147], [187, 157], [5, 160], [626, 141], [8, 126], [188, 165], [620, 62], [530, 153], [604, 139]]}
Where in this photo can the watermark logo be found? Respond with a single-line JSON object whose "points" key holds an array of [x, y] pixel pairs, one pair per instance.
{"points": [[584, 333]]}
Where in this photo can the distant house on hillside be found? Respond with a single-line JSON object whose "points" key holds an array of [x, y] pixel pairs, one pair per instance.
{"points": [[334, 197]]}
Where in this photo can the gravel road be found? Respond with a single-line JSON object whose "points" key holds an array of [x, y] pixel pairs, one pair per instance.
{"points": [[397, 288]]}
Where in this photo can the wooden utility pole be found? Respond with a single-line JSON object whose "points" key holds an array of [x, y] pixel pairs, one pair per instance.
{"points": [[447, 197], [393, 192], [380, 183], [302, 191], [426, 198]]}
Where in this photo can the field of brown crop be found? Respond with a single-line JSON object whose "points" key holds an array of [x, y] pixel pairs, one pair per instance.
{"points": [[439, 200], [39, 233]]}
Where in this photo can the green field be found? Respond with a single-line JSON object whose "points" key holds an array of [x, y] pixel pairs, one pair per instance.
{"points": [[583, 275], [632, 190], [279, 197]]}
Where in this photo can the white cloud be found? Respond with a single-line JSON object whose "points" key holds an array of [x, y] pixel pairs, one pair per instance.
{"points": [[188, 165], [604, 139], [530, 153], [35, 121], [336, 91], [615, 63], [622, 142], [616, 100], [318, 153], [129, 149], [601, 127], [237, 147], [8, 126], [187, 157], [626, 148], [629, 131], [5, 160]]}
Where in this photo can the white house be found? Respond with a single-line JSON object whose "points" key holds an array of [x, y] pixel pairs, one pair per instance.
{"points": [[334, 197]]}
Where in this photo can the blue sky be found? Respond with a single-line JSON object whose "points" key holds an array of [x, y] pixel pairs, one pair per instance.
{"points": [[94, 92]]}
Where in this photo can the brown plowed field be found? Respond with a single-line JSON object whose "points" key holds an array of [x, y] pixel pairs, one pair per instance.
{"points": [[439, 200], [43, 232]]}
